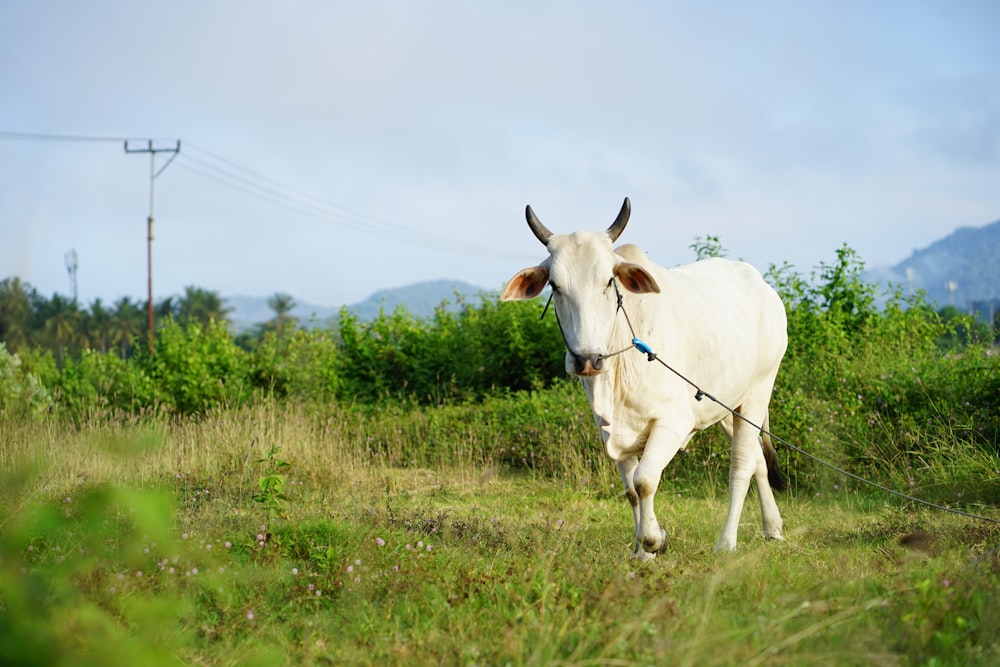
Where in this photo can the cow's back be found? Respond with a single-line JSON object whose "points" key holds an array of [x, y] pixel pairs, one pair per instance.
{"points": [[716, 321]]}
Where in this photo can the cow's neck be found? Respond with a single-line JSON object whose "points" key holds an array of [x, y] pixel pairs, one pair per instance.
{"points": [[622, 361]]}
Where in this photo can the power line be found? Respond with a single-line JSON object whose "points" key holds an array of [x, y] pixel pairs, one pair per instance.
{"points": [[227, 172], [41, 136], [47, 136], [255, 184], [321, 202], [305, 195], [302, 204]]}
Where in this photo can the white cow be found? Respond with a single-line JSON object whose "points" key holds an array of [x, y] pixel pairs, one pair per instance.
{"points": [[716, 322]]}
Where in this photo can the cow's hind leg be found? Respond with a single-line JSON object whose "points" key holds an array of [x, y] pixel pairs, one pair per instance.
{"points": [[747, 461], [769, 479], [661, 447]]}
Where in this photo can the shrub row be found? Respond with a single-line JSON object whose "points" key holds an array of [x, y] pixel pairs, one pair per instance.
{"points": [[454, 357]]}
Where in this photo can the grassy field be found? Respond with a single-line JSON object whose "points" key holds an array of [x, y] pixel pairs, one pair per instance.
{"points": [[280, 535]]}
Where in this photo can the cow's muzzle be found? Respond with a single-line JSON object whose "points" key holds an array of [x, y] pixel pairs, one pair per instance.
{"points": [[585, 364]]}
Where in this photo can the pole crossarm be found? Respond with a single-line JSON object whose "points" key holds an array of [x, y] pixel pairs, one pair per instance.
{"points": [[150, 146]]}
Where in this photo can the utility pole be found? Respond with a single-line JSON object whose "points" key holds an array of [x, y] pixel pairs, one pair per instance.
{"points": [[153, 173]]}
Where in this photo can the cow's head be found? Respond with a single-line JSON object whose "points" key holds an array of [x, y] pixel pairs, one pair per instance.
{"points": [[582, 269]]}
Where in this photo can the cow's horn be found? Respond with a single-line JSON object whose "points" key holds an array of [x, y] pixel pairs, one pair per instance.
{"points": [[618, 226], [541, 231]]}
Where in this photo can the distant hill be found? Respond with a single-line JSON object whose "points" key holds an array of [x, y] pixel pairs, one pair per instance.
{"points": [[420, 299], [961, 269], [249, 311]]}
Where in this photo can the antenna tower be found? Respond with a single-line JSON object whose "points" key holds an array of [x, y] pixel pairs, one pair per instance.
{"points": [[71, 265]]}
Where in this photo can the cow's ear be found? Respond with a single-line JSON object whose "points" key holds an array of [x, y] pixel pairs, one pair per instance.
{"points": [[635, 279], [527, 284]]}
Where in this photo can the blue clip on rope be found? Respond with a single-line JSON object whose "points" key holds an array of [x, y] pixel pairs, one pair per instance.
{"points": [[642, 347]]}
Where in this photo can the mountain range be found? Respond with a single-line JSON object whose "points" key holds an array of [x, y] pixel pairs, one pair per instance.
{"points": [[420, 299], [962, 269]]}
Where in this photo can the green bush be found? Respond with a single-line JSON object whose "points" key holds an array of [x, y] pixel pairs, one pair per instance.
{"points": [[302, 364], [377, 357], [197, 368], [452, 357], [103, 381], [21, 392], [875, 390]]}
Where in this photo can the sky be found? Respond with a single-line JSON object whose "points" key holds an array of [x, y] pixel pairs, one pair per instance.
{"points": [[331, 149]]}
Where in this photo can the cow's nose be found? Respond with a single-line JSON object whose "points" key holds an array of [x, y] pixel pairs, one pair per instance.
{"points": [[588, 364]]}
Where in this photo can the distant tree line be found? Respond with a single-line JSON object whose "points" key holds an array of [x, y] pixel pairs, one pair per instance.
{"points": [[63, 327], [53, 351]]}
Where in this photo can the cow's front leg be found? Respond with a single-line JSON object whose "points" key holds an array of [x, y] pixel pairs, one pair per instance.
{"points": [[626, 468], [661, 447]]}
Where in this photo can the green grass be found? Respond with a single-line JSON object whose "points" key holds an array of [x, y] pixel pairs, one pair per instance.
{"points": [[140, 541]]}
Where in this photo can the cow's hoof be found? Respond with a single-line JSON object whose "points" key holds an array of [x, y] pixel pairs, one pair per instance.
{"points": [[643, 556], [654, 546], [725, 546]]}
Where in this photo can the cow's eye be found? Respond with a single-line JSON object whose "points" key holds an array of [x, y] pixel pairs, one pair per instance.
{"points": [[611, 281], [555, 288]]}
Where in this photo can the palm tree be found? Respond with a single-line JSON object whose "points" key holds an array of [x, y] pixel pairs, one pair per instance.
{"points": [[126, 324], [167, 307], [15, 312], [60, 327], [201, 306], [282, 305], [98, 325]]}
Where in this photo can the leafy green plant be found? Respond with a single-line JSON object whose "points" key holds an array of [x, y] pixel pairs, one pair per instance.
{"points": [[707, 246], [80, 585], [271, 483], [21, 392]]}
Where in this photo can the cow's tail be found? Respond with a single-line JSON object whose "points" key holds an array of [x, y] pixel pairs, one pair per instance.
{"points": [[774, 476]]}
